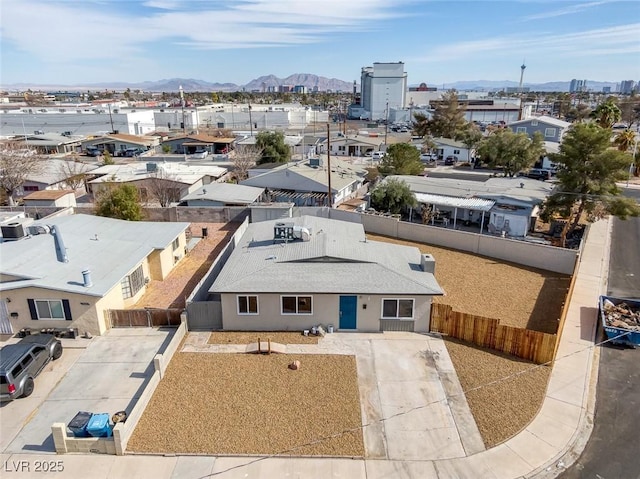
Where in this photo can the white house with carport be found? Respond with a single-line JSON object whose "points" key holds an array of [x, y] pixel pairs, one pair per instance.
{"points": [[509, 205], [295, 273], [67, 271], [223, 194], [358, 145], [306, 183], [446, 147]]}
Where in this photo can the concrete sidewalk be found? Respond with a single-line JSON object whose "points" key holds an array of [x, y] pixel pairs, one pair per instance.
{"points": [[560, 428]]}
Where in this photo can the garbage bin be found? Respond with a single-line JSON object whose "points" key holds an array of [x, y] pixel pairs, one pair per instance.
{"points": [[99, 426], [330, 328], [78, 424]]}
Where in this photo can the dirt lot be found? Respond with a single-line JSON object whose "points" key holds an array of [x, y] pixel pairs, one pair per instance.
{"points": [[178, 285], [245, 337], [253, 404], [516, 295], [504, 408]]}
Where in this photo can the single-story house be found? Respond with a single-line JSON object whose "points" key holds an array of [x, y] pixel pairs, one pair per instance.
{"points": [[171, 181], [509, 205], [358, 145], [223, 194], [117, 143], [58, 174], [190, 144], [54, 198], [295, 273], [553, 129], [446, 147], [52, 143], [67, 271], [306, 183]]}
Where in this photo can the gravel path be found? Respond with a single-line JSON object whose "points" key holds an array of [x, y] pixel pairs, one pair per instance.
{"points": [[253, 404], [243, 337], [516, 295], [503, 409]]}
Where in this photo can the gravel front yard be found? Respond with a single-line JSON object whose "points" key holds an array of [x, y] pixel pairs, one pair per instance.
{"points": [[516, 295], [253, 404], [503, 409], [247, 337]]}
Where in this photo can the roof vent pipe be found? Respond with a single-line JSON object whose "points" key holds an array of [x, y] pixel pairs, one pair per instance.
{"points": [[86, 278]]}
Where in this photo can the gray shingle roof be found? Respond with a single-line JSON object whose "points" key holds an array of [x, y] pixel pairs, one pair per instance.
{"points": [[119, 247], [337, 259], [226, 193]]}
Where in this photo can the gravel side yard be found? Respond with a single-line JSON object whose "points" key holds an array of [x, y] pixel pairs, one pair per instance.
{"points": [[516, 295], [503, 409], [244, 337], [172, 292], [253, 404]]}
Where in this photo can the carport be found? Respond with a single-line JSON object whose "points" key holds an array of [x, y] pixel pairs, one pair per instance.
{"points": [[470, 204]]}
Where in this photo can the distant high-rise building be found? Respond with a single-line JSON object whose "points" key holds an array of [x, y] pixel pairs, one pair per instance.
{"points": [[626, 86], [577, 86], [383, 86], [606, 89], [300, 89]]}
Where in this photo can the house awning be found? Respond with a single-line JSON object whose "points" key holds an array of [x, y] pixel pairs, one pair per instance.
{"points": [[477, 204], [298, 195], [198, 143]]}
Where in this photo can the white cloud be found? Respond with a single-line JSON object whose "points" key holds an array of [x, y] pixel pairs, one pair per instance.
{"points": [[77, 30], [604, 41], [570, 10]]}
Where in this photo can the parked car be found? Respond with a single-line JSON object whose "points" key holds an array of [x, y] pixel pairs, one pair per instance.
{"points": [[428, 157], [93, 151], [377, 155], [131, 152], [21, 362], [537, 174], [450, 160]]}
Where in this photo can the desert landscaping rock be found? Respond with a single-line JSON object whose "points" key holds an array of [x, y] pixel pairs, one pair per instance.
{"points": [[254, 404], [248, 337]]}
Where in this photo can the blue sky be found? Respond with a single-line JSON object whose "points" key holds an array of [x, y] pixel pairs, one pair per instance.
{"points": [[75, 42]]}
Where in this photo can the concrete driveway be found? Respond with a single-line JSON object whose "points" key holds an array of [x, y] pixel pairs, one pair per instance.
{"points": [[108, 376]]}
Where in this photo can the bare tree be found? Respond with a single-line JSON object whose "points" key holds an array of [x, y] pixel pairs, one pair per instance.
{"points": [[73, 173], [244, 158], [162, 187], [17, 164]]}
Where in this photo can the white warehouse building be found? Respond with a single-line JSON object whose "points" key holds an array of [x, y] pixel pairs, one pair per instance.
{"points": [[382, 86]]}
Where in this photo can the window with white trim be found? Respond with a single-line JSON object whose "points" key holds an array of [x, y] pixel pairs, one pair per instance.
{"points": [[176, 243], [456, 152], [397, 308], [133, 283], [521, 129], [549, 132], [247, 305], [49, 309], [534, 122], [296, 305]]}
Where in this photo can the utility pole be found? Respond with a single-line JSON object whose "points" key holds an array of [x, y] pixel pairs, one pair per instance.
{"points": [[250, 121], [110, 118], [330, 197], [386, 125], [184, 125]]}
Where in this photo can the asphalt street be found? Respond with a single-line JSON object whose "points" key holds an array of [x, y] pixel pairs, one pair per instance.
{"points": [[612, 451]]}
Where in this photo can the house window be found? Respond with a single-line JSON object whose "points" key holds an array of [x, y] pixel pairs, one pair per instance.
{"points": [[397, 308], [534, 122], [342, 148], [247, 305], [549, 132], [456, 152], [521, 129], [133, 283], [296, 305], [49, 309], [176, 243], [29, 188]]}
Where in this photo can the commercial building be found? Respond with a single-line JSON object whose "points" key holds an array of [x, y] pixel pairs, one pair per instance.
{"points": [[383, 86]]}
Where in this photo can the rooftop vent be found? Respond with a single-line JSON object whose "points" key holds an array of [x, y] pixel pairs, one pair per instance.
{"points": [[428, 263], [152, 167], [13, 231]]}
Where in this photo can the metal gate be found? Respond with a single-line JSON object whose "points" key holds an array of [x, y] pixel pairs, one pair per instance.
{"points": [[128, 318], [5, 323], [204, 315]]}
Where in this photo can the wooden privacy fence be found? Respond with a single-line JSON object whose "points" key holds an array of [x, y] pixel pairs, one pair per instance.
{"points": [[128, 318], [486, 332]]}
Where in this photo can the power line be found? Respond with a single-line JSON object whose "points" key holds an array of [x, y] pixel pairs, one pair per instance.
{"points": [[410, 410]]}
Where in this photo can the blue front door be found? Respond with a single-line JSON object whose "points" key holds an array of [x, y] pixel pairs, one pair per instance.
{"points": [[348, 311]]}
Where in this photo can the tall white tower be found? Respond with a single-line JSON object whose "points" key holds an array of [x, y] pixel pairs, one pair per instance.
{"points": [[522, 68]]}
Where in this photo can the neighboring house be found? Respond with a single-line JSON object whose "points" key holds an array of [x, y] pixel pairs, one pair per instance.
{"points": [[446, 147], [190, 144], [67, 271], [57, 174], [550, 148], [358, 145], [223, 194], [552, 129], [297, 273], [52, 143], [175, 179], [51, 198], [498, 204], [118, 143], [306, 183]]}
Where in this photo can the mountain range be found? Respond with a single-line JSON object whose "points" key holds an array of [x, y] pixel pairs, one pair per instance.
{"points": [[307, 79]]}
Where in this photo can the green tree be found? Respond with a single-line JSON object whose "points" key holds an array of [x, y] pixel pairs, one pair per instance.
{"points": [[471, 137], [215, 98], [448, 118], [107, 159], [166, 148], [625, 140], [511, 151], [578, 113], [630, 110], [121, 202], [274, 149], [607, 114], [401, 159], [392, 195], [587, 173]]}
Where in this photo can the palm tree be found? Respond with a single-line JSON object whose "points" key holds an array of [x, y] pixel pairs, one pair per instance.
{"points": [[625, 140], [607, 114]]}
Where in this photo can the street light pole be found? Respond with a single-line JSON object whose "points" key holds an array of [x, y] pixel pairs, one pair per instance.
{"points": [[635, 149], [184, 125], [250, 121]]}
